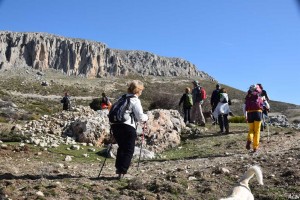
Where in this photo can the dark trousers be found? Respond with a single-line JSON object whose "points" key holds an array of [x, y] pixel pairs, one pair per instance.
{"points": [[125, 136], [187, 114], [223, 122], [212, 110], [264, 116]]}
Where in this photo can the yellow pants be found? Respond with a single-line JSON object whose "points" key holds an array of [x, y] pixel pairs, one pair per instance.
{"points": [[254, 133]]}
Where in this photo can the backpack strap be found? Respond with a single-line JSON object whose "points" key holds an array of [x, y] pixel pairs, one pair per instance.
{"points": [[132, 116]]}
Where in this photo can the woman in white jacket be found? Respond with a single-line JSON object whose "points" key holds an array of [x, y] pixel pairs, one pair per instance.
{"points": [[125, 132], [222, 110]]}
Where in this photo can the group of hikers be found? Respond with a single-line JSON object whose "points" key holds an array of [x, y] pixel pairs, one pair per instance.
{"points": [[127, 111], [105, 103], [255, 109]]}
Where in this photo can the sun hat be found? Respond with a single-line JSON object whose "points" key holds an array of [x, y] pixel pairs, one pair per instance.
{"points": [[195, 82]]}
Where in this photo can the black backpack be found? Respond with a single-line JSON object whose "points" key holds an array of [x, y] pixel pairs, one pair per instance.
{"points": [[117, 113]]}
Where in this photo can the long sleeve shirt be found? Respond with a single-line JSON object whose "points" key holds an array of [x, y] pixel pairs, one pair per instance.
{"points": [[136, 108]]}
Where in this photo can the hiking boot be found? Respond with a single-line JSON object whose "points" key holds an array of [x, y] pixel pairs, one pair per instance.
{"points": [[255, 152], [120, 176], [227, 129], [248, 145]]}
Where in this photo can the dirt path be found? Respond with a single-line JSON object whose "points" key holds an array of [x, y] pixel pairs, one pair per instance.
{"points": [[50, 97]]}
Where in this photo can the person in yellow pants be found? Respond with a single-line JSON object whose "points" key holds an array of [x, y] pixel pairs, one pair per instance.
{"points": [[253, 111], [254, 121]]}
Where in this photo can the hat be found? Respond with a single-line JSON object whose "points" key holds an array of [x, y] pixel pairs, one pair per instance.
{"points": [[195, 82], [252, 88], [255, 88]]}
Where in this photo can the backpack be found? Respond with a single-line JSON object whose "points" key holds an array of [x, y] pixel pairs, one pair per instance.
{"points": [[223, 98], [189, 100], [117, 113], [202, 93], [253, 102]]}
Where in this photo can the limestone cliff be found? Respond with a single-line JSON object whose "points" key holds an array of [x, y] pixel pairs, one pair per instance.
{"points": [[85, 58]]}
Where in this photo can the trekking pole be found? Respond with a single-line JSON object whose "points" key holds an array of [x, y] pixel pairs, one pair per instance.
{"points": [[141, 145], [107, 152], [268, 127]]}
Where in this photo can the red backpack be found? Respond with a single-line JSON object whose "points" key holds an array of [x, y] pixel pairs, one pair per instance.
{"points": [[203, 93]]}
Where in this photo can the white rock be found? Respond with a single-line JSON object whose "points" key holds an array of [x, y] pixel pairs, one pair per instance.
{"points": [[68, 158], [85, 155], [192, 178], [39, 193]]}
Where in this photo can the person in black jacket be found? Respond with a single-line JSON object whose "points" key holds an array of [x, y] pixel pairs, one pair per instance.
{"points": [[214, 100], [187, 100], [66, 102]]}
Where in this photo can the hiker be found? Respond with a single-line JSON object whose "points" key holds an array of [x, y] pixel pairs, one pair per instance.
{"points": [[222, 111], [263, 92], [266, 106], [125, 132], [66, 102], [187, 100], [105, 102], [196, 112], [214, 100], [253, 111]]}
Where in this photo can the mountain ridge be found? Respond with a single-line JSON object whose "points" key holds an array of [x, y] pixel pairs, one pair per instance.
{"points": [[81, 57]]}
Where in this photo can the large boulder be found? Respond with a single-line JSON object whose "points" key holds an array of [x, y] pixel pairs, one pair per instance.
{"points": [[164, 128]]}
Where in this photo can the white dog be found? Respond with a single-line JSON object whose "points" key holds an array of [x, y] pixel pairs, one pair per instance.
{"points": [[242, 190]]}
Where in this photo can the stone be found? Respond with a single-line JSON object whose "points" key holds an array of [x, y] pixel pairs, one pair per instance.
{"points": [[68, 158]]}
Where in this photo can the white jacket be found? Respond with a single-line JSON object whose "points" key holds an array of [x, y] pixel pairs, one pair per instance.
{"points": [[136, 108], [222, 108]]}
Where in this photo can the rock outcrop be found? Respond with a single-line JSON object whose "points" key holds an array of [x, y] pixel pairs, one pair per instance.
{"points": [[84, 125], [85, 58]]}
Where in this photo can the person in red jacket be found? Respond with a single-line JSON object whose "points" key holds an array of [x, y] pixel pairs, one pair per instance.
{"points": [[253, 112]]}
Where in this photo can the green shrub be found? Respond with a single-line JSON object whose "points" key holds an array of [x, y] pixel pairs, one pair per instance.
{"points": [[163, 101], [7, 136], [237, 119], [3, 119]]}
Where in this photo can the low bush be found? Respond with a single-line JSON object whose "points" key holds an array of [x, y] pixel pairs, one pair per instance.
{"points": [[3, 119], [237, 119], [163, 101]]}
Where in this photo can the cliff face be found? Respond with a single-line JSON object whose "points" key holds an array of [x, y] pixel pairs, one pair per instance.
{"points": [[85, 58]]}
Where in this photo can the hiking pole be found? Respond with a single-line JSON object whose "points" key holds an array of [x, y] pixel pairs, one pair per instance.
{"points": [[107, 152], [143, 133], [268, 127]]}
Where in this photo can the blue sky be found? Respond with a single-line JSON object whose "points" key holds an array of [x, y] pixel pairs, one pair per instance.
{"points": [[238, 42]]}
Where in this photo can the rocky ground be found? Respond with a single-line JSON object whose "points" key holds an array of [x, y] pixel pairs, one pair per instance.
{"points": [[206, 165], [197, 169]]}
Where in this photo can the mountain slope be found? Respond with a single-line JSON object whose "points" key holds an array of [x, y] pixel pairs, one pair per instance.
{"points": [[85, 58]]}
